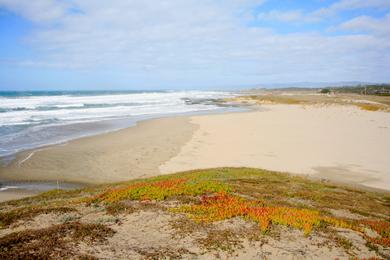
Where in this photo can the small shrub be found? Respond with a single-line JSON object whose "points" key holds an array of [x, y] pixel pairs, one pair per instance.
{"points": [[119, 208], [325, 91], [371, 107], [50, 243], [382, 228], [9, 217], [69, 218]]}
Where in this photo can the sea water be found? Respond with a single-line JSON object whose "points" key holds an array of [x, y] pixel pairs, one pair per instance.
{"points": [[34, 119]]}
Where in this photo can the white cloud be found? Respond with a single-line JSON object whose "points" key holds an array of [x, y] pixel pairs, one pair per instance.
{"points": [[37, 10], [345, 5], [284, 16], [322, 13], [196, 40], [379, 26], [359, 4]]}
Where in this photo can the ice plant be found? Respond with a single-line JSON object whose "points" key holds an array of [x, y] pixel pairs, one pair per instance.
{"points": [[160, 190], [224, 206], [383, 230], [218, 203]]}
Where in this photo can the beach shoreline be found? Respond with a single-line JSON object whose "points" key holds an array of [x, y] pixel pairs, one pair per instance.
{"points": [[92, 159], [265, 137]]}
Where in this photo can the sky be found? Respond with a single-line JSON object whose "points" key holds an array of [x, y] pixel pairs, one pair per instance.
{"points": [[189, 44]]}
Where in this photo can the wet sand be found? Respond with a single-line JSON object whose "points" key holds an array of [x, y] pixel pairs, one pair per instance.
{"points": [[117, 156]]}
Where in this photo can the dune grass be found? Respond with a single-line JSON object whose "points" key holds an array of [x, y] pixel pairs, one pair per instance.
{"points": [[52, 242], [372, 107], [9, 217], [367, 103]]}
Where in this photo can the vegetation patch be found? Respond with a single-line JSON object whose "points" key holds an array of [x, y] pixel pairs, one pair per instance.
{"points": [[382, 228], [257, 195], [52, 242], [119, 208], [161, 190], [185, 226], [50, 197], [224, 240], [224, 206], [9, 217], [276, 99], [371, 107], [364, 102], [162, 252]]}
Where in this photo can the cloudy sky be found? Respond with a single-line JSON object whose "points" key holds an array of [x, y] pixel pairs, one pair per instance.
{"points": [[178, 44]]}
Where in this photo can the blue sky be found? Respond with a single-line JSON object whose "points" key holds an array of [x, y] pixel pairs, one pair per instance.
{"points": [[183, 44]]}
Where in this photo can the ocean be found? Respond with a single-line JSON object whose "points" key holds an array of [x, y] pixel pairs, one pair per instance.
{"points": [[34, 119]]}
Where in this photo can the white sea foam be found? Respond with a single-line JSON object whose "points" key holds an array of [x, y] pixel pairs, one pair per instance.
{"points": [[28, 121], [8, 187], [32, 110]]}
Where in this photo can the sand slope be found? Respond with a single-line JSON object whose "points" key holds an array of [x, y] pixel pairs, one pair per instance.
{"points": [[341, 143]]}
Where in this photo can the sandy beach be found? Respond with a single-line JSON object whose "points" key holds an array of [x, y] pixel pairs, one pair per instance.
{"points": [[126, 154], [338, 143]]}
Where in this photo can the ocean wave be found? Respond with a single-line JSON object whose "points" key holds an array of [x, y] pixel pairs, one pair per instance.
{"points": [[25, 110], [25, 119], [4, 188]]}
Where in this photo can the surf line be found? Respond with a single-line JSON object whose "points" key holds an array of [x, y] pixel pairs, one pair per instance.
{"points": [[32, 153], [25, 159]]}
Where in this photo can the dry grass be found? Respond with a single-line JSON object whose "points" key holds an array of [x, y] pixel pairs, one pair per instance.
{"points": [[224, 240], [368, 103], [372, 107], [274, 99], [119, 208], [51, 243], [162, 252], [9, 217]]}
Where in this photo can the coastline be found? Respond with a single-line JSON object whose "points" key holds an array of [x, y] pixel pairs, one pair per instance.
{"points": [[121, 155], [320, 142]]}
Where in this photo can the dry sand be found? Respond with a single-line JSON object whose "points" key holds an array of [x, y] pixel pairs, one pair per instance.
{"points": [[118, 156], [339, 143]]}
